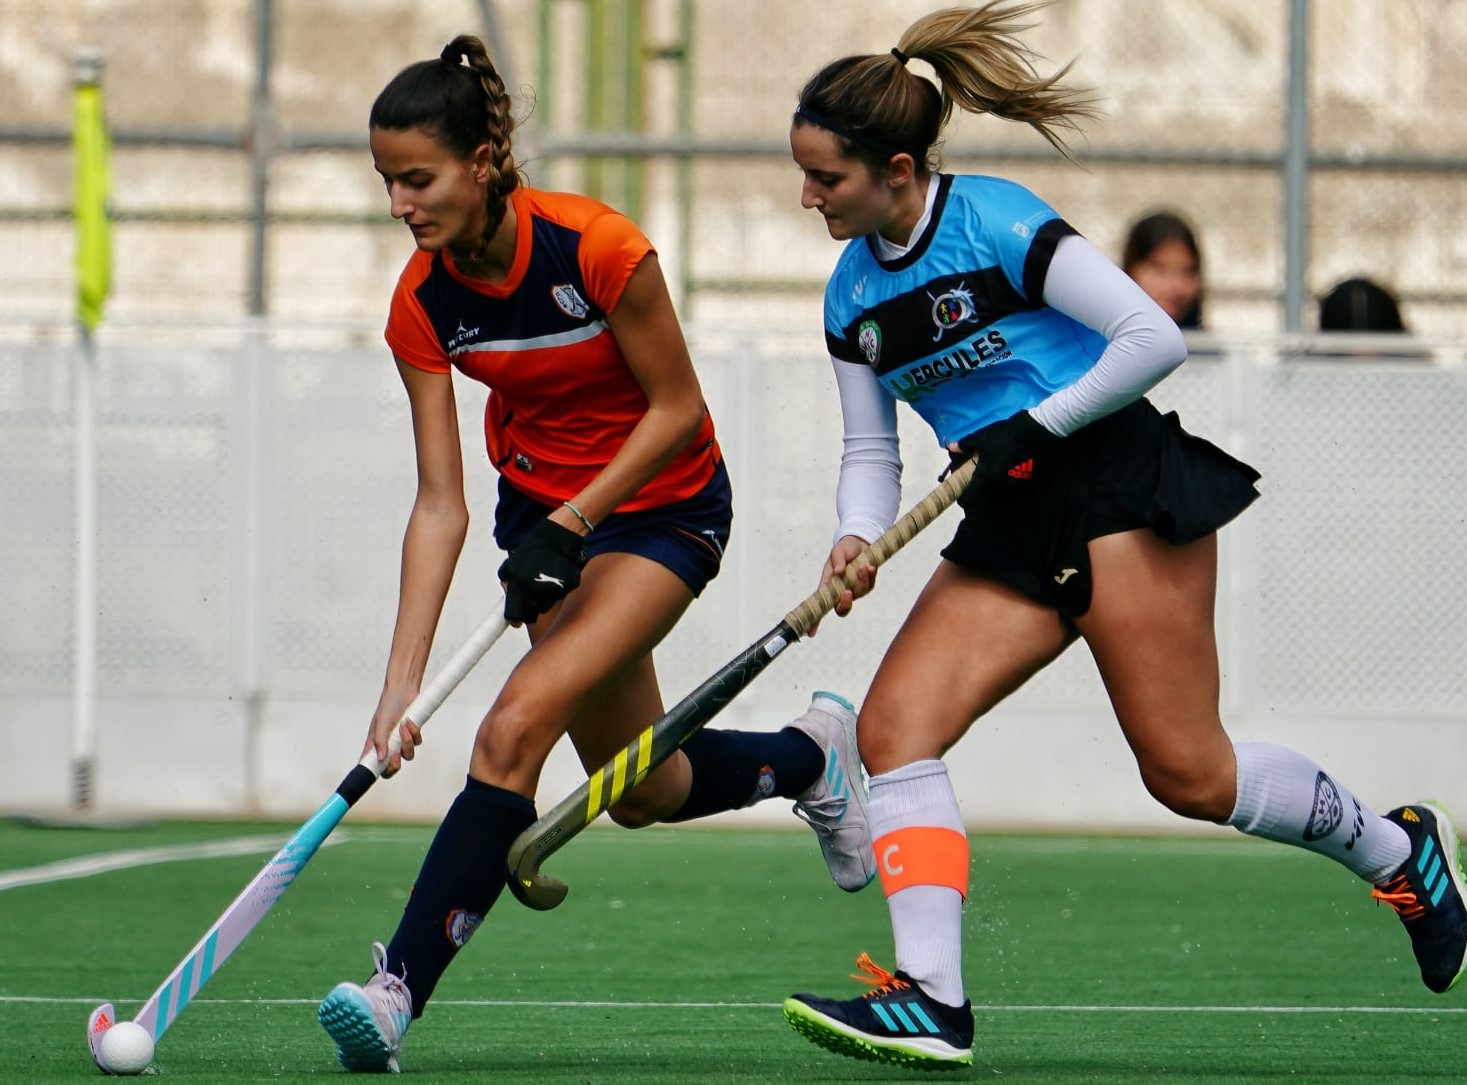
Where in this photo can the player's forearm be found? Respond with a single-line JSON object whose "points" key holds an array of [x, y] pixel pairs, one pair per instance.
{"points": [[1143, 344], [654, 442], [869, 491], [430, 551]]}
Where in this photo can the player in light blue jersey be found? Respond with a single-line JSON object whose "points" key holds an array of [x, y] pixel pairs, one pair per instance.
{"points": [[1091, 517]]}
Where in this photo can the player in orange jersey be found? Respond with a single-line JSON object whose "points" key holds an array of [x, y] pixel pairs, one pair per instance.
{"points": [[614, 507]]}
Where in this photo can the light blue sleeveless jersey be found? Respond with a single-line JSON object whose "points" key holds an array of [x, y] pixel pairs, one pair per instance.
{"points": [[957, 325]]}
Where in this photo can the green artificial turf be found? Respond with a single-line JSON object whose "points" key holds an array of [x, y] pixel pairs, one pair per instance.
{"points": [[1087, 959]]}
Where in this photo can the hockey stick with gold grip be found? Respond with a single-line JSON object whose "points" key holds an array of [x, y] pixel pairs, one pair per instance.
{"points": [[658, 742]]}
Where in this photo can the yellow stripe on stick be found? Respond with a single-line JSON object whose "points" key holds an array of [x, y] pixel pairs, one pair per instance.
{"points": [[644, 755], [593, 804], [619, 778]]}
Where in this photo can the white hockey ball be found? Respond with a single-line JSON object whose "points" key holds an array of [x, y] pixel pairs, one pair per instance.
{"points": [[126, 1048]]}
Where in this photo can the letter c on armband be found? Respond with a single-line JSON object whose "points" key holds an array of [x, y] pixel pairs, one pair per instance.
{"points": [[886, 864], [923, 855]]}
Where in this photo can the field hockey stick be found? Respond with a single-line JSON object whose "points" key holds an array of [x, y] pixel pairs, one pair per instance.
{"points": [[231, 928], [656, 744]]}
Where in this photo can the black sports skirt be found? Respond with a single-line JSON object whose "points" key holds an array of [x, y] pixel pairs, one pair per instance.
{"points": [[1132, 469]]}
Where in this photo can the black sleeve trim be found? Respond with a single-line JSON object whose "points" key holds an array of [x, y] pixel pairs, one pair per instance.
{"points": [[843, 349], [1041, 252]]}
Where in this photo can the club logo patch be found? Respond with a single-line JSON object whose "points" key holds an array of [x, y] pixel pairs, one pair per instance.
{"points": [[766, 784], [1328, 810], [951, 309], [868, 338], [570, 301], [461, 926], [523, 462]]}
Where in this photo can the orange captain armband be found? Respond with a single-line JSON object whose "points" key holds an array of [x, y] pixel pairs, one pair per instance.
{"points": [[922, 855]]}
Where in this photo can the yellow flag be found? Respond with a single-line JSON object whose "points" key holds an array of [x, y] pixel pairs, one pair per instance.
{"points": [[91, 194]]}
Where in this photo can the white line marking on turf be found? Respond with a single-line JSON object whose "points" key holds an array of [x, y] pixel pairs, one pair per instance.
{"points": [[87, 865], [977, 1008], [592, 1004]]}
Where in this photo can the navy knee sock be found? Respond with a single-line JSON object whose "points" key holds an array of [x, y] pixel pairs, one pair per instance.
{"points": [[462, 876], [737, 768]]}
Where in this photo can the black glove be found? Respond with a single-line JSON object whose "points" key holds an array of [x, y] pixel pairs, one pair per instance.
{"points": [[1006, 450], [542, 570]]}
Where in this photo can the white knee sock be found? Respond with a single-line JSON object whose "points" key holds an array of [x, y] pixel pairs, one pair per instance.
{"points": [[1284, 796], [926, 920]]}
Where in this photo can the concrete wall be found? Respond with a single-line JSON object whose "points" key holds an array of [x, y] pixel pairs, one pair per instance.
{"points": [[241, 645]]}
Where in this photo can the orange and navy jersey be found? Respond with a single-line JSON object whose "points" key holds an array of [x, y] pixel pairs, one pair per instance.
{"points": [[562, 399]]}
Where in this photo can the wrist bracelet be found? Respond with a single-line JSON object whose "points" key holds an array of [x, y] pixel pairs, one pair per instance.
{"points": [[579, 515]]}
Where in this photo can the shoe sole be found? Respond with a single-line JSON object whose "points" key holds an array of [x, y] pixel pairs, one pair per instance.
{"points": [[346, 1015], [844, 1040], [1446, 833]]}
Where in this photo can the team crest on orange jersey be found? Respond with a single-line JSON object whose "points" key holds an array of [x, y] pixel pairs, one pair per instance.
{"points": [[570, 301]]}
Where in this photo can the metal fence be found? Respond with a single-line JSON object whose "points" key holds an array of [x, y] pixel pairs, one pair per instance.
{"points": [[253, 488], [1309, 140], [254, 465]]}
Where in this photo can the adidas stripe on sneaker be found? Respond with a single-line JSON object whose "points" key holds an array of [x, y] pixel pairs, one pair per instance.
{"points": [[895, 1022], [1427, 893]]}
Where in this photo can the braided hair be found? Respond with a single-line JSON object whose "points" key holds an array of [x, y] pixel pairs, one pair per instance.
{"points": [[461, 101]]}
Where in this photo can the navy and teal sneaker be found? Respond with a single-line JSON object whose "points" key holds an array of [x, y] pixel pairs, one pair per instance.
{"points": [[1427, 893], [368, 1022], [896, 1022]]}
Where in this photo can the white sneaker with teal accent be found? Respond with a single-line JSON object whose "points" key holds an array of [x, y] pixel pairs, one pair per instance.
{"points": [[835, 805], [368, 1023]]}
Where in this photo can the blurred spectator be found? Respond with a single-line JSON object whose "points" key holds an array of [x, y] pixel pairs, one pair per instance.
{"points": [[1371, 316], [1360, 305], [1163, 256]]}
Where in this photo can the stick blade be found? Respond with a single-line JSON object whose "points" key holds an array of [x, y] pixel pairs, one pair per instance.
{"points": [[102, 1018], [529, 886], [539, 892]]}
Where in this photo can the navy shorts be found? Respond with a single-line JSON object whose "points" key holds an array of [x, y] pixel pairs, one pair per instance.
{"points": [[1131, 469], [688, 536]]}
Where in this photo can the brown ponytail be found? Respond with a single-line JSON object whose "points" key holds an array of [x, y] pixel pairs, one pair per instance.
{"points": [[879, 107]]}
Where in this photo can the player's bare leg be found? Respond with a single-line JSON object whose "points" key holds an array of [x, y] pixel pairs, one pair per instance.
{"points": [[914, 712], [582, 647], [1150, 627]]}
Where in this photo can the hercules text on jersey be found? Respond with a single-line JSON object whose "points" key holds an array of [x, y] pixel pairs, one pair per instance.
{"points": [[957, 325], [562, 399]]}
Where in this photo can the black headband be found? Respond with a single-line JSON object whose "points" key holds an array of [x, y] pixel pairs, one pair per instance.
{"points": [[861, 140]]}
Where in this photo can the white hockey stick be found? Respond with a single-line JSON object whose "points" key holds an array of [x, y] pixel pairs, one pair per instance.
{"points": [[231, 928]]}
